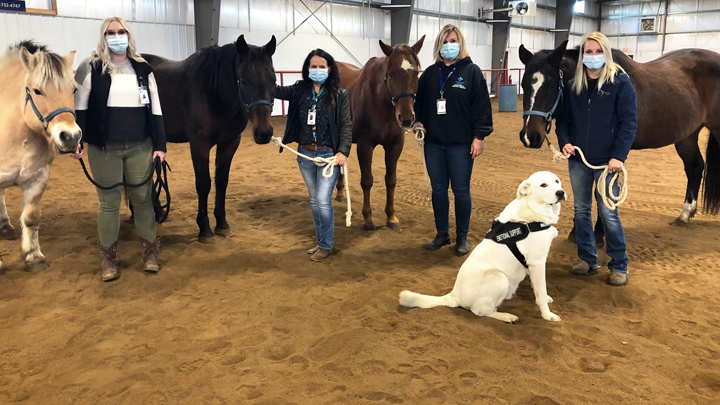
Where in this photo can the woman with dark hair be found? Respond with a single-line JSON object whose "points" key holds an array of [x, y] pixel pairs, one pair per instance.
{"points": [[318, 120]]}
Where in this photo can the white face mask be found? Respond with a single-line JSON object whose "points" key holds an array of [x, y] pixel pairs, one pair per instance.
{"points": [[594, 62]]}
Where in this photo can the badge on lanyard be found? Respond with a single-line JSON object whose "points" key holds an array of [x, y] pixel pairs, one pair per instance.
{"points": [[144, 98], [442, 103], [311, 117]]}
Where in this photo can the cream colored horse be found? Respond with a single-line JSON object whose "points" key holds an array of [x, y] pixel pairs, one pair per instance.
{"points": [[36, 119]]}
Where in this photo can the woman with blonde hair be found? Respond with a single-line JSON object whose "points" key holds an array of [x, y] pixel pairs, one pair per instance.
{"points": [[453, 104], [118, 110], [600, 117]]}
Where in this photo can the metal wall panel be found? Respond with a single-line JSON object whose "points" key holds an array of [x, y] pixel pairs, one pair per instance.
{"points": [[678, 6]]}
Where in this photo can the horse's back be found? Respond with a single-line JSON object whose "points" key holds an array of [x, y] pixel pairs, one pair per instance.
{"points": [[349, 74]]}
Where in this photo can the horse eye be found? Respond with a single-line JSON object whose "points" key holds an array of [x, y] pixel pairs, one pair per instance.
{"points": [[543, 185], [75, 91], [390, 75], [38, 92]]}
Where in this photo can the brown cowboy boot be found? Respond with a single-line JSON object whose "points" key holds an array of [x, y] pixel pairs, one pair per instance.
{"points": [[110, 269], [150, 253]]}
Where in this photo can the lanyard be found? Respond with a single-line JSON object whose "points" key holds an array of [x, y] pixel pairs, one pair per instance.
{"points": [[316, 96], [442, 83]]}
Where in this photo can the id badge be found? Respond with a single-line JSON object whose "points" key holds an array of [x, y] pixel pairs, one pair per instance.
{"points": [[144, 98], [311, 117], [442, 106]]}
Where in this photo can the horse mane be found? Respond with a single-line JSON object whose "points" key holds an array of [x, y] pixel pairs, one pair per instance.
{"points": [[50, 67], [214, 68]]}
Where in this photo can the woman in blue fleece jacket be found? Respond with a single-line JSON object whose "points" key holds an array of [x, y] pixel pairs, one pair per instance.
{"points": [[600, 117]]}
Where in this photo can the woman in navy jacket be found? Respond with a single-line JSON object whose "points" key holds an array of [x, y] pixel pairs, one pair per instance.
{"points": [[600, 117]]}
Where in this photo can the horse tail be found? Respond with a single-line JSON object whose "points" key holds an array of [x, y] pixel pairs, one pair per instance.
{"points": [[711, 183], [411, 300]]}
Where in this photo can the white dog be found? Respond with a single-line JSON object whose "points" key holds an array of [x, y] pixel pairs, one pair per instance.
{"points": [[493, 272]]}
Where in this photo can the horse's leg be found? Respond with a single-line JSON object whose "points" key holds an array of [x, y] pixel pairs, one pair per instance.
{"points": [[365, 156], [6, 229], [201, 163], [32, 193], [340, 186], [599, 232], [392, 154], [689, 152], [223, 160]]}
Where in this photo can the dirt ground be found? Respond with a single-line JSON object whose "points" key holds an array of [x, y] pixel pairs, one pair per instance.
{"points": [[250, 320]]}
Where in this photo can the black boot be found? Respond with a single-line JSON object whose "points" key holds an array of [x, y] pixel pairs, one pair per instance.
{"points": [[441, 239], [461, 245]]}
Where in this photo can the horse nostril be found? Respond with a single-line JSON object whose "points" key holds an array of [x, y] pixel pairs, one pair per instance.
{"points": [[64, 137]]}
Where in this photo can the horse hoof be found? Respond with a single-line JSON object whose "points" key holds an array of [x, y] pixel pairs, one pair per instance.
{"points": [[208, 240], [571, 238], [679, 222], [36, 267], [368, 227], [340, 198], [394, 226], [8, 233], [225, 233], [599, 243]]}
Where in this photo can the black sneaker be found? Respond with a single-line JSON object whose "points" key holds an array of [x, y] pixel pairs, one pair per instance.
{"points": [[441, 239], [461, 246]]}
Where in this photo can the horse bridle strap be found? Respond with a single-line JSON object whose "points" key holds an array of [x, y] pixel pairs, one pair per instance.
{"points": [[45, 120], [254, 103], [399, 96], [549, 115]]}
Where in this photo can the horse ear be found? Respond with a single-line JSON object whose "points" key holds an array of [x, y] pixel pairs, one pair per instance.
{"points": [[242, 47], [556, 56], [525, 55], [270, 46], [70, 58], [28, 59], [524, 190], [387, 49], [418, 45]]}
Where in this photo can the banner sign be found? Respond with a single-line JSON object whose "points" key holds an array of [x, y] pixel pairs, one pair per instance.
{"points": [[12, 5]]}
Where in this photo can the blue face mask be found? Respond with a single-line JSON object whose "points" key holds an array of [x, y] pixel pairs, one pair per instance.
{"points": [[318, 75], [450, 51], [117, 43], [594, 62]]}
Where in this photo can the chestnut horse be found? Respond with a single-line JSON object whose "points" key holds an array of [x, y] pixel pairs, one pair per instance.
{"points": [[37, 118], [677, 94], [207, 100], [382, 97]]}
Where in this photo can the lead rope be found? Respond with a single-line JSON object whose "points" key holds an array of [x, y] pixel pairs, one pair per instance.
{"points": [[327, 172], [610, 200], [419, 133]]}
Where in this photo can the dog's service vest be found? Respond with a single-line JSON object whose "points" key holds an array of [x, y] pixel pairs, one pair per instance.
{"points": [[510, 233]]}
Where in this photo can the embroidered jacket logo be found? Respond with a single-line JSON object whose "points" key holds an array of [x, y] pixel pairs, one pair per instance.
{"points": [[459, 83]]}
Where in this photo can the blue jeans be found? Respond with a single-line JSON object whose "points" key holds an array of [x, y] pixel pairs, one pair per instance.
{"points": [[320, 190], [583, 179], [450, 165]]}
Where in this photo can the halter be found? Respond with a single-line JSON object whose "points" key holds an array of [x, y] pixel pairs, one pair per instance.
{"points": [[399, 96], [46, 120], [254, 103], [549, 115]]}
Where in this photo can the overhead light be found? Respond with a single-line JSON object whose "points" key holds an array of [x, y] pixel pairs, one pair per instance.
{"points": [[395, 6], [497, 21], [559, 30]]}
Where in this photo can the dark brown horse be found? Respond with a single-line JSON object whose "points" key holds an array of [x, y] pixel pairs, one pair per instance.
{"points": [[207, 100], [382, 97], [678, 94]]}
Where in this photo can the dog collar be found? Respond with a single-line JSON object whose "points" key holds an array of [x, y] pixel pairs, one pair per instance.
{"points": [[510, 233]]}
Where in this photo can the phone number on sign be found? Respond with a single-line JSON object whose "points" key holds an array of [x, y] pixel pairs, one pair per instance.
{"points": [[11, 5]]}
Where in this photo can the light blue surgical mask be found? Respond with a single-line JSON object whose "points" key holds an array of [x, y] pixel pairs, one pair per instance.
{"points": [[117, 43], [450, 51], [594, 62], [318, 75]]}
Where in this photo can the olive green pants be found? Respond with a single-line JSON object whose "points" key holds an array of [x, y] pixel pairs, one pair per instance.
{"points": [[129, 162]]}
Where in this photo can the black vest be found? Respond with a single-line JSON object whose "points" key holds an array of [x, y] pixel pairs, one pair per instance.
{"points": [[510, 233]]}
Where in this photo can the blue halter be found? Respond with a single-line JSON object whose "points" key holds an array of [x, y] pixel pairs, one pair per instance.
{"points": [[46, 120], [254, 103], [549, 115]]}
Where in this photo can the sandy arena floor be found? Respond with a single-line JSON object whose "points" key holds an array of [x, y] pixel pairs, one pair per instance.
{"points": [[251, 320]]}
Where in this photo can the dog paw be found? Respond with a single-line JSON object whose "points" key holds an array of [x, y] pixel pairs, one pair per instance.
{"points": [[549, 299], [551, 317], [505, 317]]}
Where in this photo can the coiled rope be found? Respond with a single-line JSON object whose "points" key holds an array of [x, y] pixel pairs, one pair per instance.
{"points": [[327, 172]]}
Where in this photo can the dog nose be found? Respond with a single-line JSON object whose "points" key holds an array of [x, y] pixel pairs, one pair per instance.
{"points": [[560, 194]]}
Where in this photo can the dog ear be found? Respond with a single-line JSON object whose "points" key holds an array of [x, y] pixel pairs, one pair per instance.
{"points": [[524, 190]]}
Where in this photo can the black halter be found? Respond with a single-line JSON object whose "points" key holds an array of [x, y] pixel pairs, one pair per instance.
{"points": [[254, 103], [549, 115], [45, 120], [399, 96]]}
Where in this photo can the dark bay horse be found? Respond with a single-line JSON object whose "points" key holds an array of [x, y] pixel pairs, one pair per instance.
{"points": [[207, 100], [677, 94], [382, 97]]}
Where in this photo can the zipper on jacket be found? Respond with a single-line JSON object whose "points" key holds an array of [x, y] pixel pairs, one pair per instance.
{"points": [[587, 134]]}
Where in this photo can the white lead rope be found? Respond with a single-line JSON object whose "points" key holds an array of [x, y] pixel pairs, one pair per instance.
{"points": [[420, 139], [327, 172], [610, 200]]}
